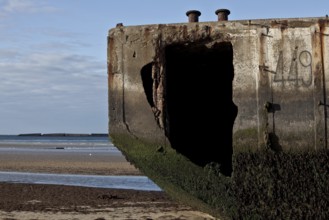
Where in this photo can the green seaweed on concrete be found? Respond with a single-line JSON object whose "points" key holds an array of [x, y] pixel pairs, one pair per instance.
{"points": [[245, 139], [264, 185], [186, 182], [282, 185]]}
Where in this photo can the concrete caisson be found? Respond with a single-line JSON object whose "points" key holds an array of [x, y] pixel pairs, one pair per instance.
{"points": [[209, 90]]}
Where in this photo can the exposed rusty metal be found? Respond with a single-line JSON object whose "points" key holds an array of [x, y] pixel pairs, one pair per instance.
{"points": [[222, 14], [322, 25], [193, 15]]}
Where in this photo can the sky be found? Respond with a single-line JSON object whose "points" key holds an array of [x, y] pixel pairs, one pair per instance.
{"points": [[53, 61]]}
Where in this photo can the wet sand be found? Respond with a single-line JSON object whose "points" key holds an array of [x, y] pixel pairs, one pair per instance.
{"points": [[61, 161], [26, 201], [34, 201]]}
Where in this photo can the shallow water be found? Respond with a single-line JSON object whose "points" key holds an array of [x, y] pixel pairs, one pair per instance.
{"points": [[98, 181], [86, 149]]}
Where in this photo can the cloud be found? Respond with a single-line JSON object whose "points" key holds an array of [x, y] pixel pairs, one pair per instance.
{"points": [[51, 78], [8, 54], [47, 79], [51, 92], [50, 73], [24, 6]]}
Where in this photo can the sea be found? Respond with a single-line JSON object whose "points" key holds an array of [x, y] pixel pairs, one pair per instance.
{"points": [[92, 144]]}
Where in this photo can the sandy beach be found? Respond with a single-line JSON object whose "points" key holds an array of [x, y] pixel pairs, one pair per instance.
{"points": [[38, 202], [59, 161]]}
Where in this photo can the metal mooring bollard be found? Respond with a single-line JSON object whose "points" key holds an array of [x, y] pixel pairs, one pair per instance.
{"points": [[193, 15]]}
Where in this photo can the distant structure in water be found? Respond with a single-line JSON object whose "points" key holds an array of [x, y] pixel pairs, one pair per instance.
{"points": [[186, 98]]}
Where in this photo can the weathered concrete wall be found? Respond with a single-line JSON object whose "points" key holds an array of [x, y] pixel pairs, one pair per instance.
{"points": [[281, 76], [211, 96]]}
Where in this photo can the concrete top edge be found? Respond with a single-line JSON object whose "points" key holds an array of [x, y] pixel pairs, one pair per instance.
{"points": [[245, 21]]}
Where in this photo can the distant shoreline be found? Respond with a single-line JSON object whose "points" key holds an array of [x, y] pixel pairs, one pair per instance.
{"points": [[65, 134]]}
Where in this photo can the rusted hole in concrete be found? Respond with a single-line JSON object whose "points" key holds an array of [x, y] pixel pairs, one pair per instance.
{"points": [[200, 110]]}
